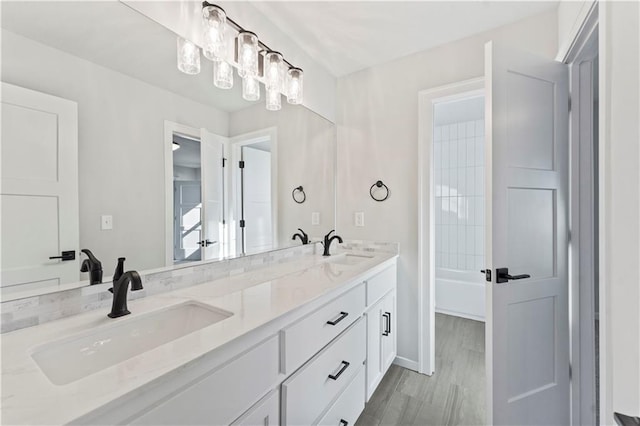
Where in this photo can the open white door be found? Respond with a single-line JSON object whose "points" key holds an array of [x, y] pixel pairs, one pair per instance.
{"points": [[256, 200], [527, 330], [39, 190], [211, 151]]}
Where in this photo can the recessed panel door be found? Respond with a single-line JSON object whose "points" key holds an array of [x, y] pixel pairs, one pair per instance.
{"points": [[212, 147], [527, 328], [39, 190]]}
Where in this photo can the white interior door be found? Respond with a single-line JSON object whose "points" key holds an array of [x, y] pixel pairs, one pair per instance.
{"points": [[188, 220], [527, 319], [39, 189], [211, 152], [256, 200]]}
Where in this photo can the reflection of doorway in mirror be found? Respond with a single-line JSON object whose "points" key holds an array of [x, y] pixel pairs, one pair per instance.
{"points": [[195, 225], [187, 200], [254, 210]]}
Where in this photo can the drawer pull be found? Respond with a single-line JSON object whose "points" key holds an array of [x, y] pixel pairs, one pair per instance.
{"points": [[387, 322], [342, 316], [343, 422], [345, 365]]}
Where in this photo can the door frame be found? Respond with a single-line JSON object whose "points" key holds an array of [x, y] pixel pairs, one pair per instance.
{"points": [[171, 128], [426, 217], [236, 143], [583, 225]]}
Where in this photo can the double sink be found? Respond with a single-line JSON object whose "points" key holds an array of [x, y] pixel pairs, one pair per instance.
{"points": [[68, 360]]}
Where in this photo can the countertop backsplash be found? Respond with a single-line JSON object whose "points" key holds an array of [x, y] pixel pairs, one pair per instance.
{"points": [[34, 310]]}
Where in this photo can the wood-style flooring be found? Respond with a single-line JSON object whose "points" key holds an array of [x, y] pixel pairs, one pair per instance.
{"points": [[454, 395]]}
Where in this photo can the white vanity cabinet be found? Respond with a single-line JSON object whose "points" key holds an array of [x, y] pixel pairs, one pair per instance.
{"points": [[381, 326], [314, 366]]}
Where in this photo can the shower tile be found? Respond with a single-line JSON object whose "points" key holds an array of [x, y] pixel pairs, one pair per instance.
{"points": [[471, 129], [470, 157], [462, 130], [453, 131], [445, 133], [437, 133]]}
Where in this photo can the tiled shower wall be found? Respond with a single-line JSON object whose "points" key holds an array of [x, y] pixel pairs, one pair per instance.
{"points": [[459, 195]]}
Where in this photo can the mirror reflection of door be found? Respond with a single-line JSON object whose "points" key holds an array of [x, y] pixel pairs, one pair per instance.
{"points": [[255, 203], [256, 197], [187, 172]]}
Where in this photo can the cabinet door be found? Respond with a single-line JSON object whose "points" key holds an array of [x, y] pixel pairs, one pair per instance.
{"points": [[374, 347], [266, 412], [388, 330]]}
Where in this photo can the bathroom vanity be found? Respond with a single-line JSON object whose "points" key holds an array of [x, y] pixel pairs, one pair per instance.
{"points": [[306, 347]]}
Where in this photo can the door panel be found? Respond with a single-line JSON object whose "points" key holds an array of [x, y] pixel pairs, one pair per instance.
{"points": [[527, 327], [257, 200], [39, 189], [212, 147], [188, 221]]}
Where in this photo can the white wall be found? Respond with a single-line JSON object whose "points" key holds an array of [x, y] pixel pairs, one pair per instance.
{"points": [[620, 205], [306, 156], [377, 122], [120, 145]]}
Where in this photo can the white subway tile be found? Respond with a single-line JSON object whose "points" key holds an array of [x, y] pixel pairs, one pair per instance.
{"points": [[479, 127], [445, 133], [471, 129], [462, 130], [437, 133]]}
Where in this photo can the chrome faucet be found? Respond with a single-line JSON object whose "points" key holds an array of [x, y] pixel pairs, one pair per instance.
{"points": [[304, 238], [328, 240], [119, 290]]}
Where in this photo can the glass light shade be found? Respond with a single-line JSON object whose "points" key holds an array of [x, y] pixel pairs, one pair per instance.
{"points": [[247, 54], [214, 23], [188, 57], [250, 88], [273, 76], [295, 80], [222, 75], [274, 102]]}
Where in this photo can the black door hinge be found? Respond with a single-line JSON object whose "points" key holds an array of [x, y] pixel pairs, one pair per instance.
{"points": [[241, 223], [241, 164], [224, 162]]}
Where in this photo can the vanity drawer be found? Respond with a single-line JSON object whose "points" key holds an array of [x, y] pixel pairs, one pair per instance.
{"points": [[313, 332], [222, 395], [380, 284], [266, 412], [346, 410], [307, 393]]}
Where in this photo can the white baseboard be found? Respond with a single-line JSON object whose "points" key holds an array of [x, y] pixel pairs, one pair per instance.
{"points": [[460, 314], [406, 363]]}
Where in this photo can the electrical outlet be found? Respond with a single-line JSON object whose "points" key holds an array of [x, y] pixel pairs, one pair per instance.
{"points": [[106, 222], [359, 216], [315, 218]]}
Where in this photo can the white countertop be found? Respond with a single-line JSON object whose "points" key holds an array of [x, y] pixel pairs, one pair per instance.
{"points": [[28, 397]]}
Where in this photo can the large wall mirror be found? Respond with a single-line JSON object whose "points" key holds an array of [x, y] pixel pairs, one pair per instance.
{"points": [[158, 154]]}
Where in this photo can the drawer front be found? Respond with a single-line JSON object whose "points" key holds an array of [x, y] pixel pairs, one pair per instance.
{"points": [[266, 412], [346, 410], [380, 284], [308, 393], [223, 395], [303, 339]]}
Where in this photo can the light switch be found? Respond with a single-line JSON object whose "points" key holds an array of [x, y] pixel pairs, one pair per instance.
{"points": [[106, 222], [315, 218], [359, 219]]}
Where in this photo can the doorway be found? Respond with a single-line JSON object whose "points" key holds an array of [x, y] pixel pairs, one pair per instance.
{"points": [[255, 205]]}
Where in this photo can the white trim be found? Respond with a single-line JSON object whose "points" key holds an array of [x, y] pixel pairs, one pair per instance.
{"points": [[169, 129], [459, 314], [236, 142], [581, 246], [426, 240], [406, 363], [579, 32]]}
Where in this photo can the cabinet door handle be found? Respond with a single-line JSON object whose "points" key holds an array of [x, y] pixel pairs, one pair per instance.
{"points": [[342, 316], [343, 422], [388, 323], [345, 365], [387, 320]]}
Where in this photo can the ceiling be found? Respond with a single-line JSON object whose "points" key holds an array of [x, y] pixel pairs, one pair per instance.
{"points": [[344, 36], [347, 36]]}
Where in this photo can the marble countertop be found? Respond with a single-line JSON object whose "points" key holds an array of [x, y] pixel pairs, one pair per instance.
{"points": [[255, 298]]}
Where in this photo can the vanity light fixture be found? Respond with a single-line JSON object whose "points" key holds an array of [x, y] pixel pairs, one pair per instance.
{"points": [[255, 61], [214, 22], [188, 57]]}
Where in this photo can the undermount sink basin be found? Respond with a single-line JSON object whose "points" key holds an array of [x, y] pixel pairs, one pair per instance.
{"points": [[349, 259], [76, 357]]}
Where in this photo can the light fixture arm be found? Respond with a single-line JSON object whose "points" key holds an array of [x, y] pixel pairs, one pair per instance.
{"points": [[264, 48]]}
